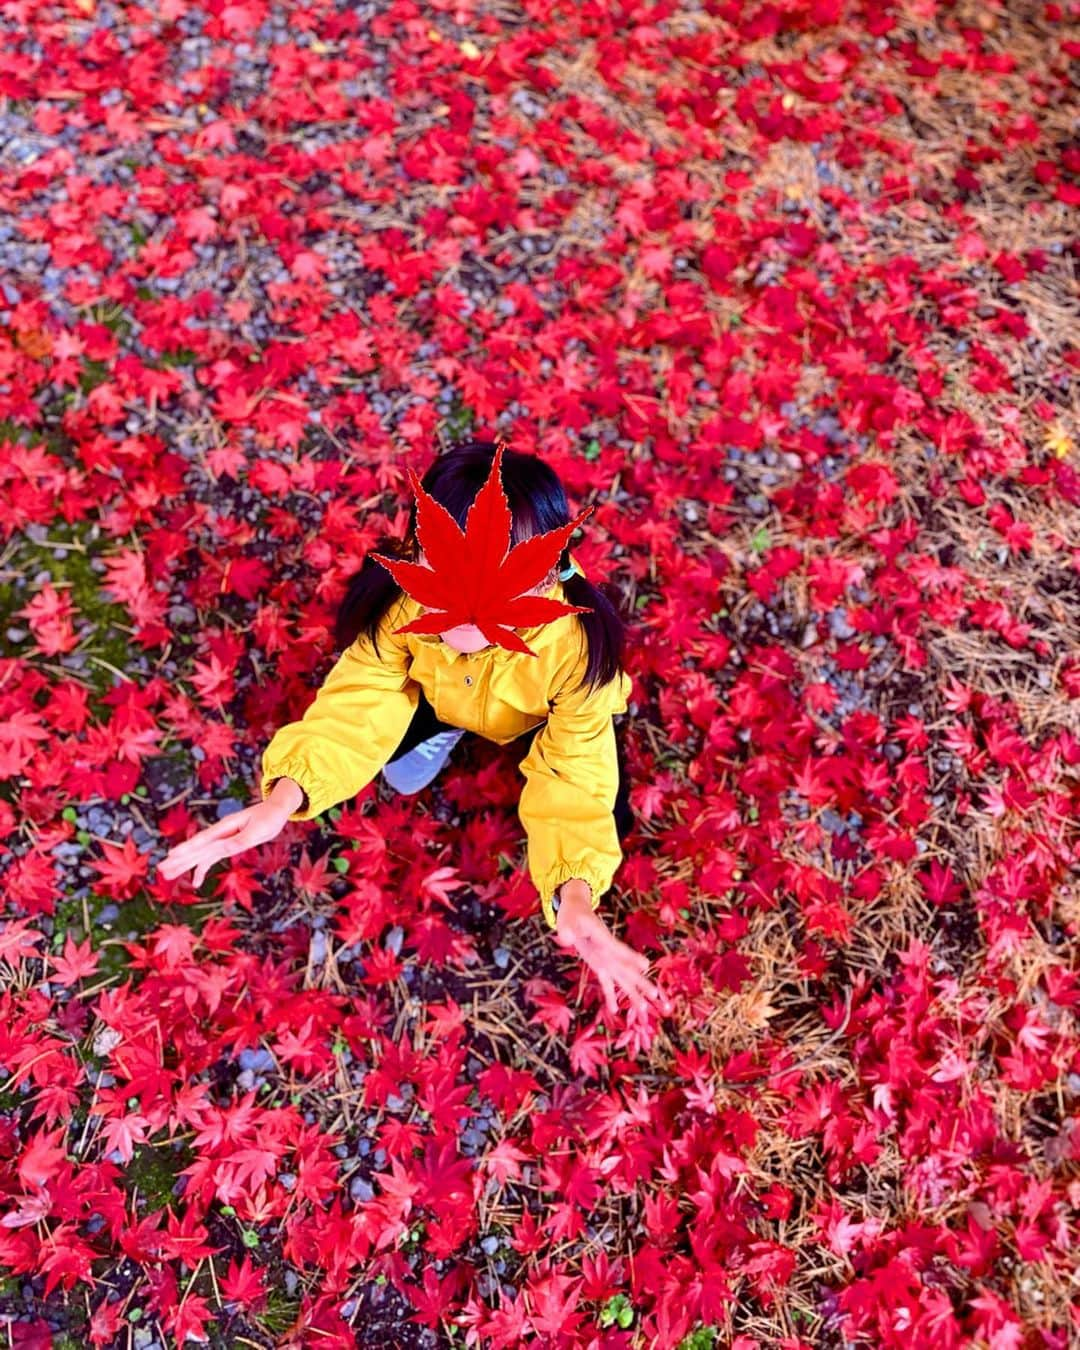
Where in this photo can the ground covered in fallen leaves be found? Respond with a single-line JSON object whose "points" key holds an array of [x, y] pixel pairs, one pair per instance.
{"points": [[789, 292]]}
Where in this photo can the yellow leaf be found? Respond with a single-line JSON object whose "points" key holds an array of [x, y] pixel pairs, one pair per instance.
{"points": [[35, 342], [470, 49], [1058, 441]]}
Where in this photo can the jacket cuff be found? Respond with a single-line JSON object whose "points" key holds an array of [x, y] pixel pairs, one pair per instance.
{"points": [[299, 773], [567, 871]]}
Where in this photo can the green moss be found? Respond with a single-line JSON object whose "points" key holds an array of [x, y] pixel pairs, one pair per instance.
{"points": [[13, 431], [703, 1338], [72, 571], [153, 1170], [113, 316], [92, 374], [138, 916], [280, 1312], [459, 420], [11, 1102]]}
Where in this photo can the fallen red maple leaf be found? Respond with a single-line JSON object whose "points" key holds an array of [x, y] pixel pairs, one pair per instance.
{"points": [[122, 869]]}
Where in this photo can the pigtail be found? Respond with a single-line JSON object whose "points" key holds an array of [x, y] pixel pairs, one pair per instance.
{"points": [[368, 595], [604, 627]]}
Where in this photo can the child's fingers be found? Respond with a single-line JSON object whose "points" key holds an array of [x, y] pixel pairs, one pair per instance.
{"points": [[638, 986], [219, 830], [193, 850], [608, 987]]}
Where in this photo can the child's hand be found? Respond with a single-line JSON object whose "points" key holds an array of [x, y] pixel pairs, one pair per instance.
{"points": [[581, 929], [242, 830]]}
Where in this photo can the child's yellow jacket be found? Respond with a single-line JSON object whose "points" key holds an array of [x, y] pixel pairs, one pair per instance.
{"points": [[365, 704]]}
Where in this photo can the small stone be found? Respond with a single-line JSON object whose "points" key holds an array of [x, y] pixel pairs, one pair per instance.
{"points": [[260, 1061], [106, 1041], [361, 1191], [839, 626]]}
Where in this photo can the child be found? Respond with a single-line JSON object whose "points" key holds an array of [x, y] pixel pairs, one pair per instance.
{"points": [[414, 677]]}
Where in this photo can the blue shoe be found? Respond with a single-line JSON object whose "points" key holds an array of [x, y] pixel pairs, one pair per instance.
{"points": [[424, 762]]}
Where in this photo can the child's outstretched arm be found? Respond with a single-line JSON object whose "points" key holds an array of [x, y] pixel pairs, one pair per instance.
{"points": [[344, 737], [567, 809], [355, 722]]}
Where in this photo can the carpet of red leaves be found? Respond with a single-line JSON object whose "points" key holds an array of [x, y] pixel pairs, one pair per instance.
{"points": [[789, 291]]}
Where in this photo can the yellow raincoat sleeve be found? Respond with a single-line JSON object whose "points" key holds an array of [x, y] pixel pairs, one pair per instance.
{"points": [[354, 724], [572, 779]]}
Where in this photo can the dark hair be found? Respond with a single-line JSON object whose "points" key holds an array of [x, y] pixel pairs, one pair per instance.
{"points": [[537, 504]]}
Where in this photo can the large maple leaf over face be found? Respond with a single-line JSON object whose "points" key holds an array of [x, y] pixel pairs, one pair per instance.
{"points": [[474, 577]]}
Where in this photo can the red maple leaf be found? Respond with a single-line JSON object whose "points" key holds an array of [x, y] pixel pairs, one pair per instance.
{"points": [[41, 1158], [588, 1053], [438, 884], [247, 1168], [552, 1300], [187, 1322], [105, 1323], [312, 874], [244, 1284], [398, 1186], [444, 1019], [75, 963], [474, 576], [18, 940], [124, 1132], [502, 1161], [32, 1209], [436, 1298], [122, 868], [939, 884], [553, 1011], [65, 1258]]}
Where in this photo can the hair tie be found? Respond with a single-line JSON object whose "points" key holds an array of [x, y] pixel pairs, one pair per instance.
{"points": [[568, 572]]}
